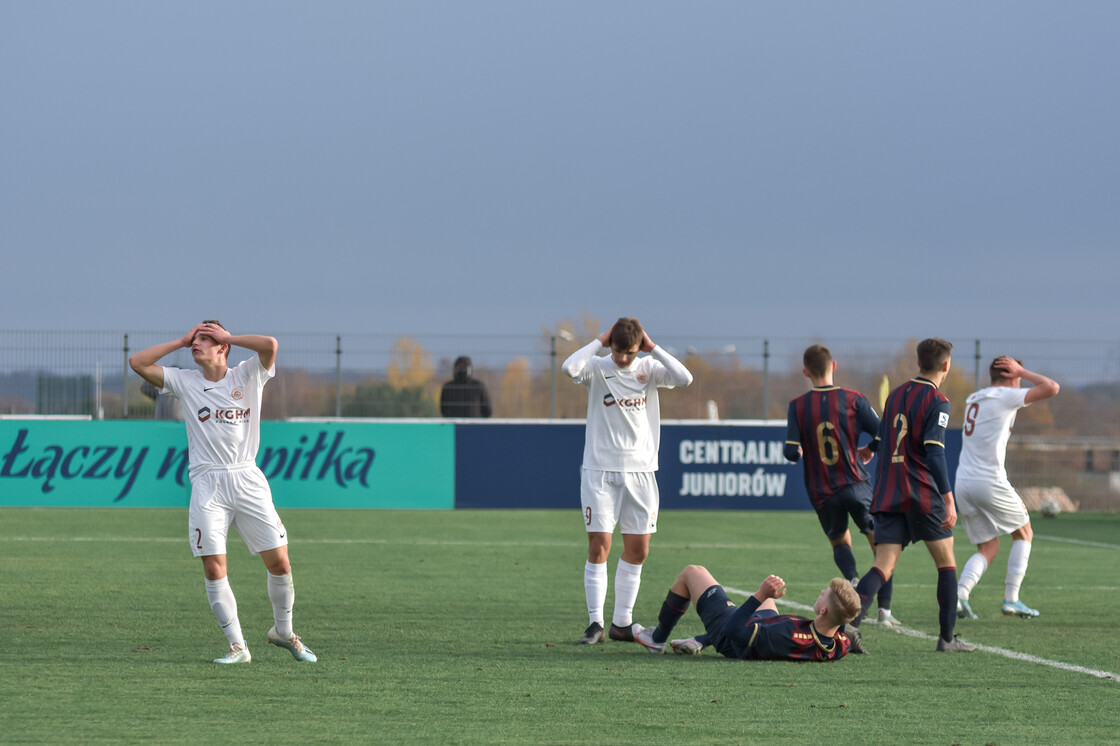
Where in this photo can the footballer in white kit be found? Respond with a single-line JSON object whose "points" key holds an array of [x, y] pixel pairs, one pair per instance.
{"points": [[989, 506], [221, 407], [223, 434], [618, 485]]}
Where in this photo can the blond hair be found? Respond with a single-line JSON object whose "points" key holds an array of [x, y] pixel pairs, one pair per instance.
{"points": [[844, 604]]}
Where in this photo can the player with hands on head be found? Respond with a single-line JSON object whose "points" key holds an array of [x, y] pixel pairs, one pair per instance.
{"points": [[221, 407], [989, 506], [755, 630], [825, 425], [618, 484]]}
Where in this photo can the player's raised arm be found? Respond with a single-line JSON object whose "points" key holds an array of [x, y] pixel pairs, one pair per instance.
{"points": [[678, 374], [146, 362], [1041, 386], [577, 361]]}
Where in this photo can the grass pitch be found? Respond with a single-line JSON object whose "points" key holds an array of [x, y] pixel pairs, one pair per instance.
{"points": [[459, 627]]}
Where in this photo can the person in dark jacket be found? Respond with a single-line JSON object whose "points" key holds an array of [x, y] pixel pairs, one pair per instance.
{"points": [[464, 396]]}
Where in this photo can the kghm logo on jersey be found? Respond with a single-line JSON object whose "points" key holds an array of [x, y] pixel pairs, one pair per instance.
{"points": [[634, 404], [204, 414], [232, 414]]}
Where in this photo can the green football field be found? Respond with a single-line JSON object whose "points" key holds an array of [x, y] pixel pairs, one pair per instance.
{"points": [[460, 627]]}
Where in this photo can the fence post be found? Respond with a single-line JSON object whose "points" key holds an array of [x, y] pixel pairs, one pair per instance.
{"points": [[765, 378], [552, 368], [338, 376], [977, 381], [124, 379]]}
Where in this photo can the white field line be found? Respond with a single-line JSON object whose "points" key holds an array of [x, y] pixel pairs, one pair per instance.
{"points": [[1015, 655], [442, 542], [1079, 542], [450, 543], [411, 542]]}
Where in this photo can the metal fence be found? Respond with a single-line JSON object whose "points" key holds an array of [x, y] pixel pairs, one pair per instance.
{"points": [[1072, 442]]}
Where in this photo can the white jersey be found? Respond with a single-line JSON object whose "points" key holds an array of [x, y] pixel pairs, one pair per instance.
{"points": [[989, 416], [623, 412], [223, 417]]}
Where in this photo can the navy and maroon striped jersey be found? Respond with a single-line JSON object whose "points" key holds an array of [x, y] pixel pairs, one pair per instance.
{"points": [[915, 417], [780, 637], [827, 423]]}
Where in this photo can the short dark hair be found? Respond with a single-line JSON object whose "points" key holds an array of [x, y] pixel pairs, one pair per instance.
{"points": [[932, 354], [816, 360], [626, 333]]}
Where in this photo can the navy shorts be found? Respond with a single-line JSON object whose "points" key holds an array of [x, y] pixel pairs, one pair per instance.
{"points": [[855, 501], [909, 528], [715, 609]]}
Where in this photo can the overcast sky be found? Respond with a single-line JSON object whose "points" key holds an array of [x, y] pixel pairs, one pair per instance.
{"points": [[763, 168]]}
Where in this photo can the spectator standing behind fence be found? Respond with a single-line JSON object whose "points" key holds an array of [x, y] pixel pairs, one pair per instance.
{"points": [[989, 506], [463, 395], [618, 484]]}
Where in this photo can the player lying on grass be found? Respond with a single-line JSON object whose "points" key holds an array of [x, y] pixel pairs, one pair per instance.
{"points": [[755, 630]]}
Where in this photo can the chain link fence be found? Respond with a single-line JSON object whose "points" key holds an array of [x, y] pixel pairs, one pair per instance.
{"points": [[1071, 442]]}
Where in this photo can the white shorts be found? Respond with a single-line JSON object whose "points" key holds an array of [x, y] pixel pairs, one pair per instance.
{"points": [[238, 496], [628, 500], [989, 509]]}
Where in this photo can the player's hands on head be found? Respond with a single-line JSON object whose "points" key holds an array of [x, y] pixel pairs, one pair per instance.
{"points": [[605, 337], [647, 343], [188, 339], [1010, 366], [214, 332]]}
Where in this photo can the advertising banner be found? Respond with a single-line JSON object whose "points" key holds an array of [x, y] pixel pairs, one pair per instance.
{"points": [[384, 464], [309, 465], [718, 466]]}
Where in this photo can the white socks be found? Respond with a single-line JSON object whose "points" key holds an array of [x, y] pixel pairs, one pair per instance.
{"points": [[595, 587], [224, 606], [627, 580], [282, 593], [970, 576], [1016, 569]]}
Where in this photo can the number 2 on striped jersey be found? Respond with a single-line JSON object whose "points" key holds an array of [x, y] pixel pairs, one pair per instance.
{"points": [[903, 426]]}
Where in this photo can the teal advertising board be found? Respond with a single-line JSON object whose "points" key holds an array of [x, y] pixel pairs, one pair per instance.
{"points": [[309, 465]]}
